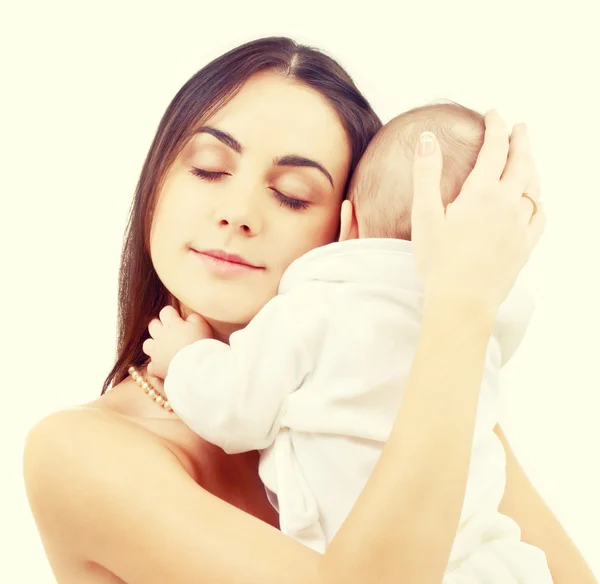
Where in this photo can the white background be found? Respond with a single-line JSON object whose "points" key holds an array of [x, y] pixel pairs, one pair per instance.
{"points": [[83, 86]]}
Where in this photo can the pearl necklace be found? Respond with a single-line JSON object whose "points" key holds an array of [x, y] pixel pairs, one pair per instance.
{"points": [[149, 390]]}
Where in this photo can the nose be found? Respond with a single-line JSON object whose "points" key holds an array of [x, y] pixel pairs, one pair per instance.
{"points": [[241, 214], [238, 225]]}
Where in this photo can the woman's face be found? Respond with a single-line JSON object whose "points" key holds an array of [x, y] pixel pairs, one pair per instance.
{"points": [[262, 182]]}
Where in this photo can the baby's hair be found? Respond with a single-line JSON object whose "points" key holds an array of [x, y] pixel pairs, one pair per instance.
{"points": [[381, 188]]}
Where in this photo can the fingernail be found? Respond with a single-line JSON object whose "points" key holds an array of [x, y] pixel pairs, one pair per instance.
{"points": [[426, 143]]}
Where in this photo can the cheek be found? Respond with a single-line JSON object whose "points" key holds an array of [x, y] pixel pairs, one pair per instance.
{"points": [[311, 234], [161, 228], [177, 213], [326, 231]]}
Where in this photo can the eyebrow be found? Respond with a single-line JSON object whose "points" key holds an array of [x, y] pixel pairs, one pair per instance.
{"points": [[289, 160], [293, 160], [224, 137]]}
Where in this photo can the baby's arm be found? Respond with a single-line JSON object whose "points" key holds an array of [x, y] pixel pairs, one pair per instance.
{"points": [[231, 395]]}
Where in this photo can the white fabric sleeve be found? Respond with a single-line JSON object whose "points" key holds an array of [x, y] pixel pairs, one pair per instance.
{"points": [[232, 395]]}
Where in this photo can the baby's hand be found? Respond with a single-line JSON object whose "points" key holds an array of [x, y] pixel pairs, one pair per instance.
{"points": [[168, 334]]}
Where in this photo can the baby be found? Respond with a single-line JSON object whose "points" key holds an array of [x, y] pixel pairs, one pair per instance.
{"points": [[315, 380]]}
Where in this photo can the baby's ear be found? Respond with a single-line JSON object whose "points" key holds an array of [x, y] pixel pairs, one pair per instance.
{"points": [[348, 222]]}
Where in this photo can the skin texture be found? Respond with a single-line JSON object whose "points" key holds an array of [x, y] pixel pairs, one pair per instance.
{"points": [[139, 495]]}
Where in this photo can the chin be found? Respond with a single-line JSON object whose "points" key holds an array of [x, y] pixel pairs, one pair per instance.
{"points": [[228, 312]]}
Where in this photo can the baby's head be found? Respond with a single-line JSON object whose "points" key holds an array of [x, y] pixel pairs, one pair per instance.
{"points": [[381, 188]]}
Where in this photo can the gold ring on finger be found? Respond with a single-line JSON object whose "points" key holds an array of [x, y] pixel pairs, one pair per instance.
{"points": [[533, 202]]}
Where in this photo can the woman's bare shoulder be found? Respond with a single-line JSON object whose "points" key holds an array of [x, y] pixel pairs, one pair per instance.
{"points": [[83, 426], [127, 405], [71, 440], [106, 491], [121, 418], [71, 457]]}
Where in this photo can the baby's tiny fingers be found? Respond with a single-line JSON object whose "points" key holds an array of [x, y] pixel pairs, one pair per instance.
{"points": [[168, 315], [148, 347], [151, 370], [155, 327]]}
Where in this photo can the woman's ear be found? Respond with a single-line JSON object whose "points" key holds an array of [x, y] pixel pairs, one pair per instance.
{"points": [[348, 222]]}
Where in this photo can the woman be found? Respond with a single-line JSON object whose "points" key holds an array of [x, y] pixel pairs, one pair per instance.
{"points": [[253, 157]]}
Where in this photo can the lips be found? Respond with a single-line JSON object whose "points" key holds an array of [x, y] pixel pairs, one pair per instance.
{"points": [[231, 258]]}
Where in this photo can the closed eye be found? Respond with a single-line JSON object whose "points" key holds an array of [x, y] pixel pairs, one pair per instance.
{"points": [[284, 200], [207, 174], [290, 202]]}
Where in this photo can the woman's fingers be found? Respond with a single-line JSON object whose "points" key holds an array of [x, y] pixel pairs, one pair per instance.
{"points": [[492, 156], [528, 207], [489, 224], [520, 171], [537, 225], [427, 175]]}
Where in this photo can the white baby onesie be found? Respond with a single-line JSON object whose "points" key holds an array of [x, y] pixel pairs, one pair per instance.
{"points": [[315, 382]]}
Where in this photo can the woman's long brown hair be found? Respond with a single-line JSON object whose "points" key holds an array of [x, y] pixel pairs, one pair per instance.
{"points": [[141, 293]]}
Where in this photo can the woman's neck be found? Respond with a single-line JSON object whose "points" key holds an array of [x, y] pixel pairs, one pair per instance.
{"points": [[221, 330]]}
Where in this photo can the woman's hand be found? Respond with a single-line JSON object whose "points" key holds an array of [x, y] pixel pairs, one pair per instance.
{"points": [[473, 250]]}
